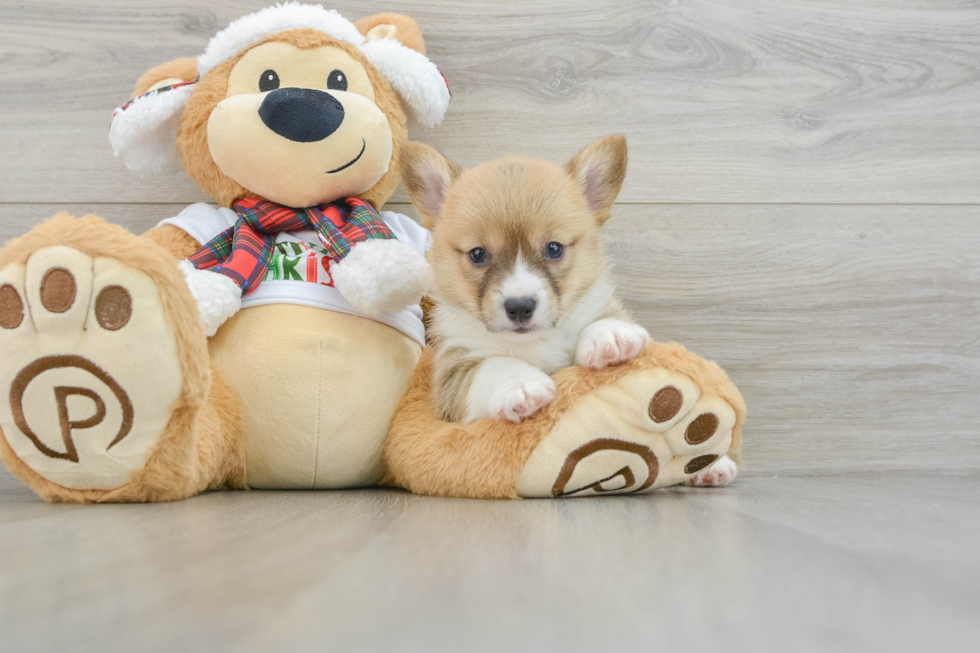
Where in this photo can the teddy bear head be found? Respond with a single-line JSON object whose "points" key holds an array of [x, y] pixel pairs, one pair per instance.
{"points": [[293, 104]]}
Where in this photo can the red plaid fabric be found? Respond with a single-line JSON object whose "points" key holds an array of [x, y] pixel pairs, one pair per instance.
{"points": [[242, 252]]}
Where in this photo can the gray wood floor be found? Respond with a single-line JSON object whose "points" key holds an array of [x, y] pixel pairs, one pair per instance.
{"points": [[802, 205], [882, 562]]}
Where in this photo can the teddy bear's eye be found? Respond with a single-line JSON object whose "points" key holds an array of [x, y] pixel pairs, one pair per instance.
{"points": [[269, 81], [337, 81]]}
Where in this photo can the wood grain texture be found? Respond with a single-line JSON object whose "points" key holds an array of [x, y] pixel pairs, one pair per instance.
{"points": [[756, 101], [857, 563], [852, 331]]}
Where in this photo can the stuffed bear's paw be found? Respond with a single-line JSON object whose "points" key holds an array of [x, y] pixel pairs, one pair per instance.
{"points": [[648, 429], [610, 342], [721, 473], [380, 276], [91, 364], [522, 398], [217, 296]]}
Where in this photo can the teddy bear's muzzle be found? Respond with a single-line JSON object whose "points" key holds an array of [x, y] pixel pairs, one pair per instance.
{"points": [[304, 115]]}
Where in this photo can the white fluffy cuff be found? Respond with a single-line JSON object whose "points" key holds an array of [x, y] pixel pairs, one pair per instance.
{"points": [[380, 276], [217, 296]]}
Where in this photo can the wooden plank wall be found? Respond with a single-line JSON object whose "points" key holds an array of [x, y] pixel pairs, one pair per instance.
{"points": [[803, 201]]}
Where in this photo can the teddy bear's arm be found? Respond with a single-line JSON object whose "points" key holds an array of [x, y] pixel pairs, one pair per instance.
{"points": [[176, 241], [217, 296]]}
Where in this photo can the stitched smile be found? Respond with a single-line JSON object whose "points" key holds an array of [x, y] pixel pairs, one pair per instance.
{"points": [[350, 163]]}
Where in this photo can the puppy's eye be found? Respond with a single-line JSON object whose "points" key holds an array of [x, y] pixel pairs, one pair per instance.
{"points": [[337, 81], [479, 256], [554, 251], [268, 81]]}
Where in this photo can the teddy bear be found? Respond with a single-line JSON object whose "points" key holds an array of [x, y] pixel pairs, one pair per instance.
{"points": [[276, 340]]}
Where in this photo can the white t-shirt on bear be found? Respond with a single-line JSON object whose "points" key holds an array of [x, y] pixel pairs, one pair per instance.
{"points": [[299, 272]]}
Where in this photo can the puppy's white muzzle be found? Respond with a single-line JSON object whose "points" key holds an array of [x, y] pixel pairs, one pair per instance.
{"points": [[522, 302]]}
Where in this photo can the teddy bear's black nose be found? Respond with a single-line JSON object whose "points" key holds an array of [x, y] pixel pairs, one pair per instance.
{"points": [[304, 115]]}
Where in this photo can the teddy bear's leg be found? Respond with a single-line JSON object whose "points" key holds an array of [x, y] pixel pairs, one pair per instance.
{"points": [[655, 421], [106, 386]]}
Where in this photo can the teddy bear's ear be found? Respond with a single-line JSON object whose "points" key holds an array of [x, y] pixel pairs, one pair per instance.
{"points": [[393, 44], [396, 26], [144, 130], [427, 176], [167, 74]]}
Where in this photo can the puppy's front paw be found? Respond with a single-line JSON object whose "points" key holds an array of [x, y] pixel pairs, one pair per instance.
{"points": [[720, 474], [523, 397], [610, 342]]}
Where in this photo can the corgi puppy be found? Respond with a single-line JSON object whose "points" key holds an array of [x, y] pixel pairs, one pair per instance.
{"points": [[521, 284]]}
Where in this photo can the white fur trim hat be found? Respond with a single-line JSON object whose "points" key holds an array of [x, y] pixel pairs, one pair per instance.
{"points": [[144, 130]]}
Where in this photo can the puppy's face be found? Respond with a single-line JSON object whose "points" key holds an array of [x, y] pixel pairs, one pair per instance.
{"points": [[516, 245], [516, 242]]}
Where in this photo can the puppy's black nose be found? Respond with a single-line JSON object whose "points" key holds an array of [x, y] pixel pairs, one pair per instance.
{"points": [[304, 115], [520, 309]]}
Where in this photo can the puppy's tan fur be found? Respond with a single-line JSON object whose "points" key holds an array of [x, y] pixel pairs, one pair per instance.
{"points": [[513, 207]]}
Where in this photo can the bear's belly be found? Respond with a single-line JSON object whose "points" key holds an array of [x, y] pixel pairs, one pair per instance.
{"points": [[317, 390]]}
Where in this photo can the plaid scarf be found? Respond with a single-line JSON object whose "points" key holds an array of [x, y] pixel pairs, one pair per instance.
{"points": [[243, 252]]}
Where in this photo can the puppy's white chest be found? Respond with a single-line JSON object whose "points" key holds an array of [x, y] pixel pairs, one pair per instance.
{"points": [[548, 354]]}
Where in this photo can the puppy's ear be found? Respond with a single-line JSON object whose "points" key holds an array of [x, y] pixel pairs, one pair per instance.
{"points": [[397, 26], [166, 74], [599, 170], [427, 176]]}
